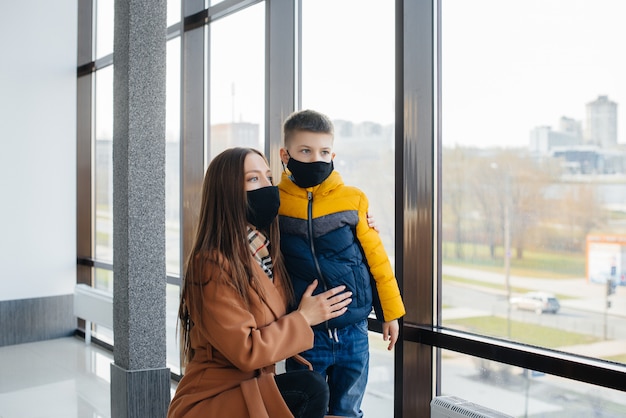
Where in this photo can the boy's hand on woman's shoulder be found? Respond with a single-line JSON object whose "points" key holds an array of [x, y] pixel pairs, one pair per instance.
{"points": [[371, 222]]}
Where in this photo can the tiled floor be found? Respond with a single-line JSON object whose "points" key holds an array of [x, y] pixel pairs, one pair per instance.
{"points": [[66, 378], [61, 378]]}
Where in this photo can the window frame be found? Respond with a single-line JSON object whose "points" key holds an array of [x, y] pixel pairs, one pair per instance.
{"points": [[417, 363]]}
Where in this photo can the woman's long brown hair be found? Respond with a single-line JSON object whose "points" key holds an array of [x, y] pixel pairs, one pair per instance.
{"points": [[222, 235]]}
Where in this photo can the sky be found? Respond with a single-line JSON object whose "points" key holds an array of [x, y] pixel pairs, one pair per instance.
{"points": [[347, 68], [348, 56], [511, 65], [508, 66]]}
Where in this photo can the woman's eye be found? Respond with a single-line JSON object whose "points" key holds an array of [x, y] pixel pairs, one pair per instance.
{"points": [[271, 180], [253, 179]]}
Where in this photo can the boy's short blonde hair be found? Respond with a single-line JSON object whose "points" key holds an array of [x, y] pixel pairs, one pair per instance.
{"points": [[307, 120]]}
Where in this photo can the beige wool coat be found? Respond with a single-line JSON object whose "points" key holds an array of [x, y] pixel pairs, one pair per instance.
{"points": [[232, 372]]}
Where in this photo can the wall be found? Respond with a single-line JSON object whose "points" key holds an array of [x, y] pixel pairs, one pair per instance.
{"points": [[37, 167]]}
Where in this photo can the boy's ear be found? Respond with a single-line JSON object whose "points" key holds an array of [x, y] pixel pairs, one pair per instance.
{"points": [[284, 157]]}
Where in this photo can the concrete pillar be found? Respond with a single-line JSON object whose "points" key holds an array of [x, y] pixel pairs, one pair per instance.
{"points": [[140, 380]]}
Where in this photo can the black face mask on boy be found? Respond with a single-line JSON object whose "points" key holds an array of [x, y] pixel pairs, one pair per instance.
{"points": [[309, 174], [263, 206]]}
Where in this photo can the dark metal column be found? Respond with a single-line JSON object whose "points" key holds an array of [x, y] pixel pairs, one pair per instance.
{"points": [[140, 380], [193, 120], [415, 197]]}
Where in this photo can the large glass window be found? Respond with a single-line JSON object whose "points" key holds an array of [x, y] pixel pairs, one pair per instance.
{"points": [[104, 27], [533, 214], [534, 178], [173, 12], [525, 393], [348, 74], [172, 158], [104, 168], [172, 197], [237, 80]]}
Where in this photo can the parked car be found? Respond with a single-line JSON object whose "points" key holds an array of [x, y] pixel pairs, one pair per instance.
{"points": [[538, 302]]}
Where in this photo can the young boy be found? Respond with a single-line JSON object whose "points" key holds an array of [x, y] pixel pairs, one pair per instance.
{"points": [[325, 236]]}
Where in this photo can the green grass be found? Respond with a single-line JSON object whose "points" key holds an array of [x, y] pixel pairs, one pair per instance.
{"points": [[497, 286], [542, 264], [103, 238], [520, 331], [618, 359]]}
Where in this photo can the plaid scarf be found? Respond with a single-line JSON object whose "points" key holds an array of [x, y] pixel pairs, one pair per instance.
{"points": [[259, 245]]}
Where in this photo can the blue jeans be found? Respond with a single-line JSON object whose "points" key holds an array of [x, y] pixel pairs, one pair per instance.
{"points": [[344, 362]]}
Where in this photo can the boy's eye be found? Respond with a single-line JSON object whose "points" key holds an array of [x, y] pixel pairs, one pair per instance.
{"points": [[306, 151]]}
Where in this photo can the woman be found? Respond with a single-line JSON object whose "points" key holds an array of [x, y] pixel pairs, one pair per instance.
{"points": [[233, 312]]}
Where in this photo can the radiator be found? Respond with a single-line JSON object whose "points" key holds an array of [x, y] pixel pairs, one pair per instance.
{"points": [[453, 407], [93, 305]]}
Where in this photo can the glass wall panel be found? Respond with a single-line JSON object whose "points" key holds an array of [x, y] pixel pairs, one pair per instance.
{"points": [[104, 281], [525, 393], [172, 158], [534, 173], [237, 80], [172, 299], [173, 12], [104, 27], [103, 170], [348, 74], [172, 198]]}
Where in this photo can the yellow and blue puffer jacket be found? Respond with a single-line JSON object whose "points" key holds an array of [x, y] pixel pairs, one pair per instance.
{"points": [[324, 234]]}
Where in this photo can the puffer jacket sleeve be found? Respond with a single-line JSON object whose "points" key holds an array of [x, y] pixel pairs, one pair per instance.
{"points": [[379, 264], [246, 340]]}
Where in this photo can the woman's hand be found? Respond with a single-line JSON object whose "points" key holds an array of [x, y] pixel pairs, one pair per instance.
{"points": [[327, 305]]}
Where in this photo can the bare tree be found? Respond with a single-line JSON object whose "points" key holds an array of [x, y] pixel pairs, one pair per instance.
{"points": [[455, 192], [485, 193]]}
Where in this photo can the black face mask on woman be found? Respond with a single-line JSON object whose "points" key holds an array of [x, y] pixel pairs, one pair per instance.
{"points": [[309, 174], [263, 206]]}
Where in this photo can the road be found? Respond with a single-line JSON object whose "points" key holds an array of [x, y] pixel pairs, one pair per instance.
{"points": [[481, 301], [580, 294]]}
